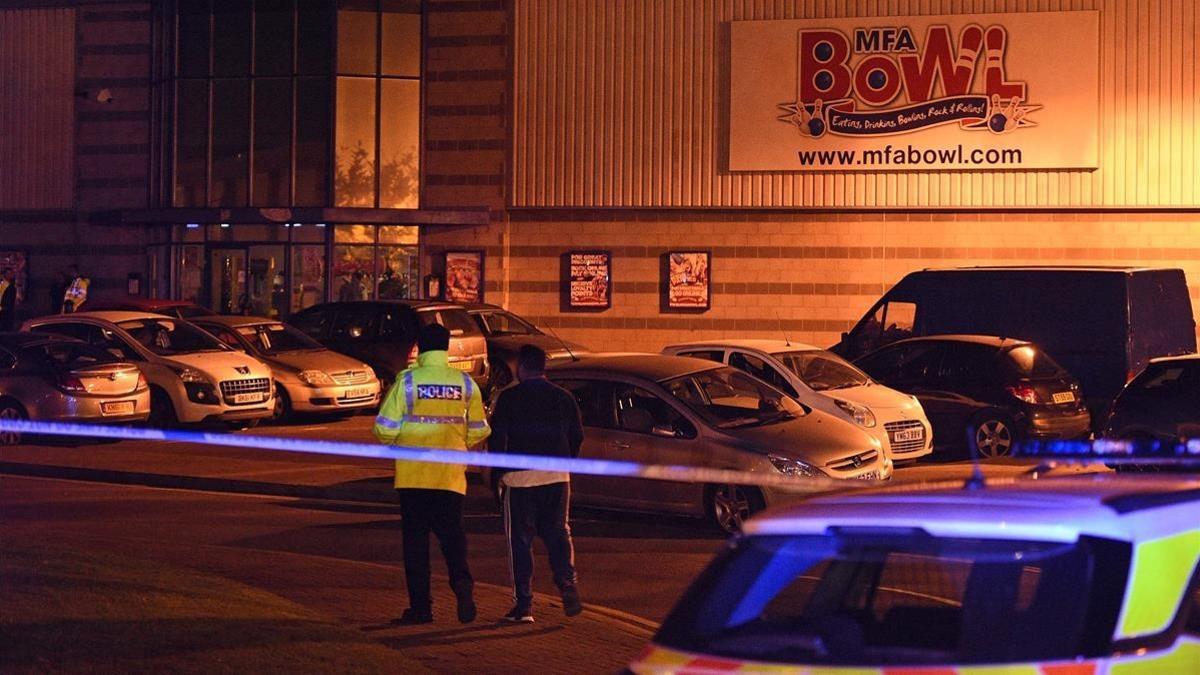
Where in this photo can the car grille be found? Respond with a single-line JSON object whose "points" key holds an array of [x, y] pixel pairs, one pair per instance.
{"points": [[352, 377], [853, 462], [257, 384], [904, 446]]}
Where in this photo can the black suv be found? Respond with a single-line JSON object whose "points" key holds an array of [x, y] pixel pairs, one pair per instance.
{"points": [[383, 333], [985, 392], [1161, 404]]}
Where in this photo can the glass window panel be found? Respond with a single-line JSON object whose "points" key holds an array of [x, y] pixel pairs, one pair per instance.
{"points": [[308, 233], [401, 39], [272, 142], [356, 40], [231, 140], [231, 39], [193, 38], [354, 234], [399, 136], [308, 276], [398, 234], [191, 153], [314, 37], [189, 284], [273, 27], [352, 271], [312, 141], [354, 181], [397, 272]]}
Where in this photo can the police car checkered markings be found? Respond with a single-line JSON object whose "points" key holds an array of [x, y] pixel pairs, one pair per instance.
{"points": [[442, 392]]}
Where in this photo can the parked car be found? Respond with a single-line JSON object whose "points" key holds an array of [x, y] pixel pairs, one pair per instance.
{"points": [[823, 380], [1103, 324], [1065, 574], [193, 376], [180, 309], [383, 333], [673, 410], [309, 378], [1161, 404], [57, 379], [506, 333], [988, 392]]}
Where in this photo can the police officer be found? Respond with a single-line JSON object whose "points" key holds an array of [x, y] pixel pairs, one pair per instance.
{"points": [[77, 291], [433, 405]]}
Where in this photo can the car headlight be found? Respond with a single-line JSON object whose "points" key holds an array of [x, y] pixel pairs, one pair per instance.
{"points": [[861, 416], [192, 376], [794, 467], [315, 378]]}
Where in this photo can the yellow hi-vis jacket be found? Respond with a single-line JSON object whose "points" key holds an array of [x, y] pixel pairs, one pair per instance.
{"points": [[432, 405]]}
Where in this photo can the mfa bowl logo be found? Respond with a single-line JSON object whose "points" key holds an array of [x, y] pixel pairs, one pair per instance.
{"points": [[886, 82]]}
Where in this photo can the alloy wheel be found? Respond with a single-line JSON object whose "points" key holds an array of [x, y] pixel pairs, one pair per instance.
{"points": [[731, 507], [993, 438], [10, 412]]}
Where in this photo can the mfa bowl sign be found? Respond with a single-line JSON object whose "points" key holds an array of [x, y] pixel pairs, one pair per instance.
{"points": [[975, 92]]}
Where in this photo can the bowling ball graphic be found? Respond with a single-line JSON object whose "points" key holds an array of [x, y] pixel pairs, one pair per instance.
{"points": [[816, 128], [823, 51], [877, 79], [824, 80], [997, 122]]}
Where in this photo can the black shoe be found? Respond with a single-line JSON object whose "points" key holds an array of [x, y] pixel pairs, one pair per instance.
{"points": [[414, 617], [570, 599], [466, 603], [518, 614]]}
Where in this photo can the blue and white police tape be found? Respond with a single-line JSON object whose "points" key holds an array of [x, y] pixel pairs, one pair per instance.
{"points": [[1182, 453], [598, 467]]}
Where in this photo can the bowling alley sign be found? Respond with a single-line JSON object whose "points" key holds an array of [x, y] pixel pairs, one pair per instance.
{"points": [[983, 92]]}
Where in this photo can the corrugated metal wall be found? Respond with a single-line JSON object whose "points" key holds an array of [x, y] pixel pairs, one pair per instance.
{"points": [[37, 113], [620, 103]]}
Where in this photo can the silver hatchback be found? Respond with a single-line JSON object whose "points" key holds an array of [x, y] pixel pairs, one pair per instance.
{"points": [[59, 379]]}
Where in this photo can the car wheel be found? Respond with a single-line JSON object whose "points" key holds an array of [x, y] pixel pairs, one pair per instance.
{"points": [[283, 404], [10, 410], [991, 435], [731, 505], [162, 411]]}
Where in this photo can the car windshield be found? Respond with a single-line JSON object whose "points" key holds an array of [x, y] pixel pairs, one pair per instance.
{"points": [[902, 597], [1029, 361], [272, 338], [727, 398], [166, 337], [505, 323], [456, 320], [68, 355], [822, 370]]}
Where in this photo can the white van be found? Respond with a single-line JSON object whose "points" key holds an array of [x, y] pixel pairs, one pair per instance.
{"points": [[193, 376]]}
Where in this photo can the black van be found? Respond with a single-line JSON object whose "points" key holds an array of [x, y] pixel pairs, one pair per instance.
{"points": [[1103, 324]]}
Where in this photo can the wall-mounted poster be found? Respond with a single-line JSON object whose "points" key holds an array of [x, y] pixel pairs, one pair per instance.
{"points": [[588, 280], [686, 281], [464, 276]]}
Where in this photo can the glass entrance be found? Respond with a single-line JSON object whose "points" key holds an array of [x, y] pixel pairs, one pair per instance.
{"points": [[227, 280], [248, 280]]}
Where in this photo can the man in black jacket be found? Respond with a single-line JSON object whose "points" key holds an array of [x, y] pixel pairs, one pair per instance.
{"points": [[540, 418]]}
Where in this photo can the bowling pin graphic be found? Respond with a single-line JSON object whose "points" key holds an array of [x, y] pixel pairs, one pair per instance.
{"points": [[816, 125], [968, 52], [1015, 121], [1011, 110], [995, 38]]}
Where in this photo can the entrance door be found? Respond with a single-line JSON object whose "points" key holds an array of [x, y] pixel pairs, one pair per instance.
{"points": [[266, 288], [227, 280]]}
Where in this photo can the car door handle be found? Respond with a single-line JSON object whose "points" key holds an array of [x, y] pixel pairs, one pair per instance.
{"points": [[621, 445]]}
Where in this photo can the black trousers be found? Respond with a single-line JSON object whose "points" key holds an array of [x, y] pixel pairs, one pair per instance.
{"points": [[541, 511], [439, 512]]}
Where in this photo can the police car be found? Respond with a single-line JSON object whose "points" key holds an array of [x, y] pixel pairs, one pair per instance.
{"points": [[1074, 574]]}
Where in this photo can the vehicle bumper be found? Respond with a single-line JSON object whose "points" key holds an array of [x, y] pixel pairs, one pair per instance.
{"points": [[192, 412], [239, 415], [1053, 425], [907, 451], [90, 409], [306, 399]]}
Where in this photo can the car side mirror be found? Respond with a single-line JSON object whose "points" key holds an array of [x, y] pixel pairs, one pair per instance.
{"points": [[664, 431]]}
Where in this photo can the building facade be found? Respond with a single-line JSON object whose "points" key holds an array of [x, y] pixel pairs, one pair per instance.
{"points": [[254, 156]]}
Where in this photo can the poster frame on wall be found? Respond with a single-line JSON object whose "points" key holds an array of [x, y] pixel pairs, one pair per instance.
{"points": [[568, 281], [668, 298], [464, 256]]}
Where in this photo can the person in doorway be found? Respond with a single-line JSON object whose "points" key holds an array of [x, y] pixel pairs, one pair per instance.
{"points": [[77, 291], [8, 300], [537, 417], [433, 405], [353, 288]]}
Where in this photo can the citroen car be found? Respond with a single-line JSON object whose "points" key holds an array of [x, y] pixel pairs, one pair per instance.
{"points": [[309, 378], [193, 376], [52, 378], [824, 380], [1083, 573]]}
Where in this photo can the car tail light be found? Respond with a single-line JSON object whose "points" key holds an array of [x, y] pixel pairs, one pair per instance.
{"points": [[141, 383], [71, 385], [1024, 393]]}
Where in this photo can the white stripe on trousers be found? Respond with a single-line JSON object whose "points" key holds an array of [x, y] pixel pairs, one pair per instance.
{"points": [[506, 493]]}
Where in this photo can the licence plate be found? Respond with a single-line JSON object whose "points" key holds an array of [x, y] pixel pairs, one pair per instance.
{"points": [[357, 392], [467, 366], [117, 408], [870, 475], [254, 397], [1064, 397], [914, 434]]}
